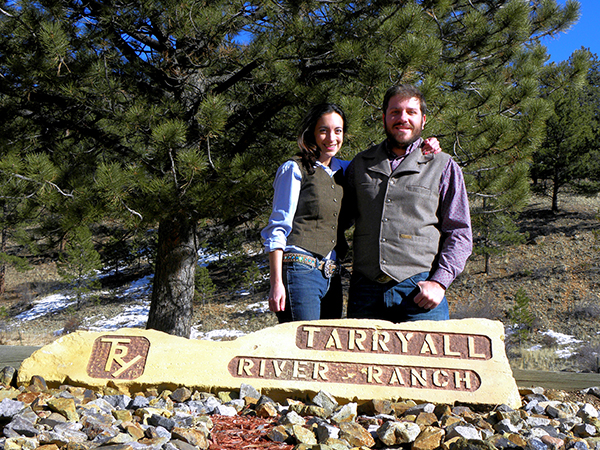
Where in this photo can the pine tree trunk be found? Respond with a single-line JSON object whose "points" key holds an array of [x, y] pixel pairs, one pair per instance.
{"points": [[3, 245], [3, 264], [555, 188], [173, 286]]}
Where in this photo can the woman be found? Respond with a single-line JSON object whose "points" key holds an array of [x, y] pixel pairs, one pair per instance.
{"points": [[302, 234]]}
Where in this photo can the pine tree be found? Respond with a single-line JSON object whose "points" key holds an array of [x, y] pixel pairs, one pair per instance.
{"points": [[80, 263], [169, 113], [564, 156]]}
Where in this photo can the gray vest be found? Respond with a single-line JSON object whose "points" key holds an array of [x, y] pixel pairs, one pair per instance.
{"points": [[397, 227], [315, 224]]}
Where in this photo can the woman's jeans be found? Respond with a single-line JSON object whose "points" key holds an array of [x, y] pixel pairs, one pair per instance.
{"points": [[309, 294], [393, 301]]}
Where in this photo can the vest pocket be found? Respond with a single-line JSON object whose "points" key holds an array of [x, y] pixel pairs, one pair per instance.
{"points": [[419, 190]]}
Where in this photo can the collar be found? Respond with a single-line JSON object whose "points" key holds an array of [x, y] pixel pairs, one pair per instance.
{"points": [[411, 148]]}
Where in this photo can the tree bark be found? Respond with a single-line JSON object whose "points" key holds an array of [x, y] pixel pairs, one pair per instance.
{"points": [[173, 286], [3, 245], [555, 188]]}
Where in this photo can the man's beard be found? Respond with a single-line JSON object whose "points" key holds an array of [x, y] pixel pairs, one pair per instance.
{"points": [[404, 143]]}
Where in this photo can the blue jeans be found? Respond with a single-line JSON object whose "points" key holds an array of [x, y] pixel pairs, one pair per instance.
{"points": [[309, 294], [393, 301]]}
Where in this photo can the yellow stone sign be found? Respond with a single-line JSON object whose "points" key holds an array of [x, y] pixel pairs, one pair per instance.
{"points": [[354, 360]]}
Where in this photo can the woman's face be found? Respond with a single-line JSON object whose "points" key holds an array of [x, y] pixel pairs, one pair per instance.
{"points": [[329, 135]]}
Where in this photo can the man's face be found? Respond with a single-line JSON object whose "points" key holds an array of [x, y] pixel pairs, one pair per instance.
{"points": [[403, 121]]}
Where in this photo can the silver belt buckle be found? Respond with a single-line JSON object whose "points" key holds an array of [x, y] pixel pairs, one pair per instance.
{"points": [[329, 268]]}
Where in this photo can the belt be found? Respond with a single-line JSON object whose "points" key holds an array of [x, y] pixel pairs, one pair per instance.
{"points": [[383, 278], [328, 266]]}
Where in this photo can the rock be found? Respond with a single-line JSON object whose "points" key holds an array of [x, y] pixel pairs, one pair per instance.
{"points": [[584, 430], [346, 413], [430, 438], [64, 406], [193, 436], [471, 444], [356, 435], [325, 401], [8, 376], [292, 418], [396, 433], [587, 412], [247, 390], [467, 432], [325, 432], [303, 435], [279, 433], [181, 395], [266, 410]]}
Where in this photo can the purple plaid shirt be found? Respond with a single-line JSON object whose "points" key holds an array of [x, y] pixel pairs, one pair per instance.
{"points": [[455, 218]]}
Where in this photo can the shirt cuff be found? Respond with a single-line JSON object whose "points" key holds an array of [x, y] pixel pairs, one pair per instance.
{"points": [[272, 246], [443, 277]]}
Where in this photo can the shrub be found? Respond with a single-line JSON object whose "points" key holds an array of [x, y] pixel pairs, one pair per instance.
{"points": [[521, 316]]}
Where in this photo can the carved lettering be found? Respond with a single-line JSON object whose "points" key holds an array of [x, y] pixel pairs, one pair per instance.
{"points": [[374, 374], [277, 368], [447, 350], [118, 357], [299, 369], [356, 339], [334, 340], [380, 339], [404, 340], [471, 345], [438, 380], [354, 373], [416, 377], [319, 371], [245, 367], [311, 335], [412, 343], [396, 377], [428, 345]]}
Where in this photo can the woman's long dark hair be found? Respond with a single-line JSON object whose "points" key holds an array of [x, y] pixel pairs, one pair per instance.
{"points": [[309, 151]]}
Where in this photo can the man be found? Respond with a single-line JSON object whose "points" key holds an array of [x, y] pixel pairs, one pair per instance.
{"points": [[412, 232]]}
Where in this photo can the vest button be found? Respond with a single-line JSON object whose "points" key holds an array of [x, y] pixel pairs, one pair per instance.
{"points": [[383, 261], [384, 240]]}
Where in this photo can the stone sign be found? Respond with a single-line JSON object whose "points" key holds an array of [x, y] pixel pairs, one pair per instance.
{"points": [[354, 360]]}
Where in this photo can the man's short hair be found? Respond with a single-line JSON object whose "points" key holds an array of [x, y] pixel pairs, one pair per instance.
{"points": [[404, 91]]}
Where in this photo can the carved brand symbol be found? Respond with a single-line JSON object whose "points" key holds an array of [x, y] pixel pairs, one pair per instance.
{"points": [[118, 357]]}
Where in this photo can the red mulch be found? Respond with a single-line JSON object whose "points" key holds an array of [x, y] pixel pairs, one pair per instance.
{"points": [[243, 432]]}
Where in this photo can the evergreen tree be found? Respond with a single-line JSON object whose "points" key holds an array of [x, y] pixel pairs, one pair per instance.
{"points": [[80, 263], [158, 112], [571, 131]]}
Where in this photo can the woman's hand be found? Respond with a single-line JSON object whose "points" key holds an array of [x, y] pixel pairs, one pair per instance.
{"points": [[431, 145], [277, 297]]}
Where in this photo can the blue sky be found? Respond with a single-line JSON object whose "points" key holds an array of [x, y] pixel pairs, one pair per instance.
{"points": [[585, 33]]}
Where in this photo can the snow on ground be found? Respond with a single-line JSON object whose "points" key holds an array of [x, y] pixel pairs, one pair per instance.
{"points": [[133, 316]]}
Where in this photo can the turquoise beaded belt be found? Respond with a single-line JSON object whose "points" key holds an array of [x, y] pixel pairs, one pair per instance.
{"points": [[328, 266]]}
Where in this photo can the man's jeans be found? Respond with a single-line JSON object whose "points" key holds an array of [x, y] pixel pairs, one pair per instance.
{"points": [[309, 294], [391, 301]]}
